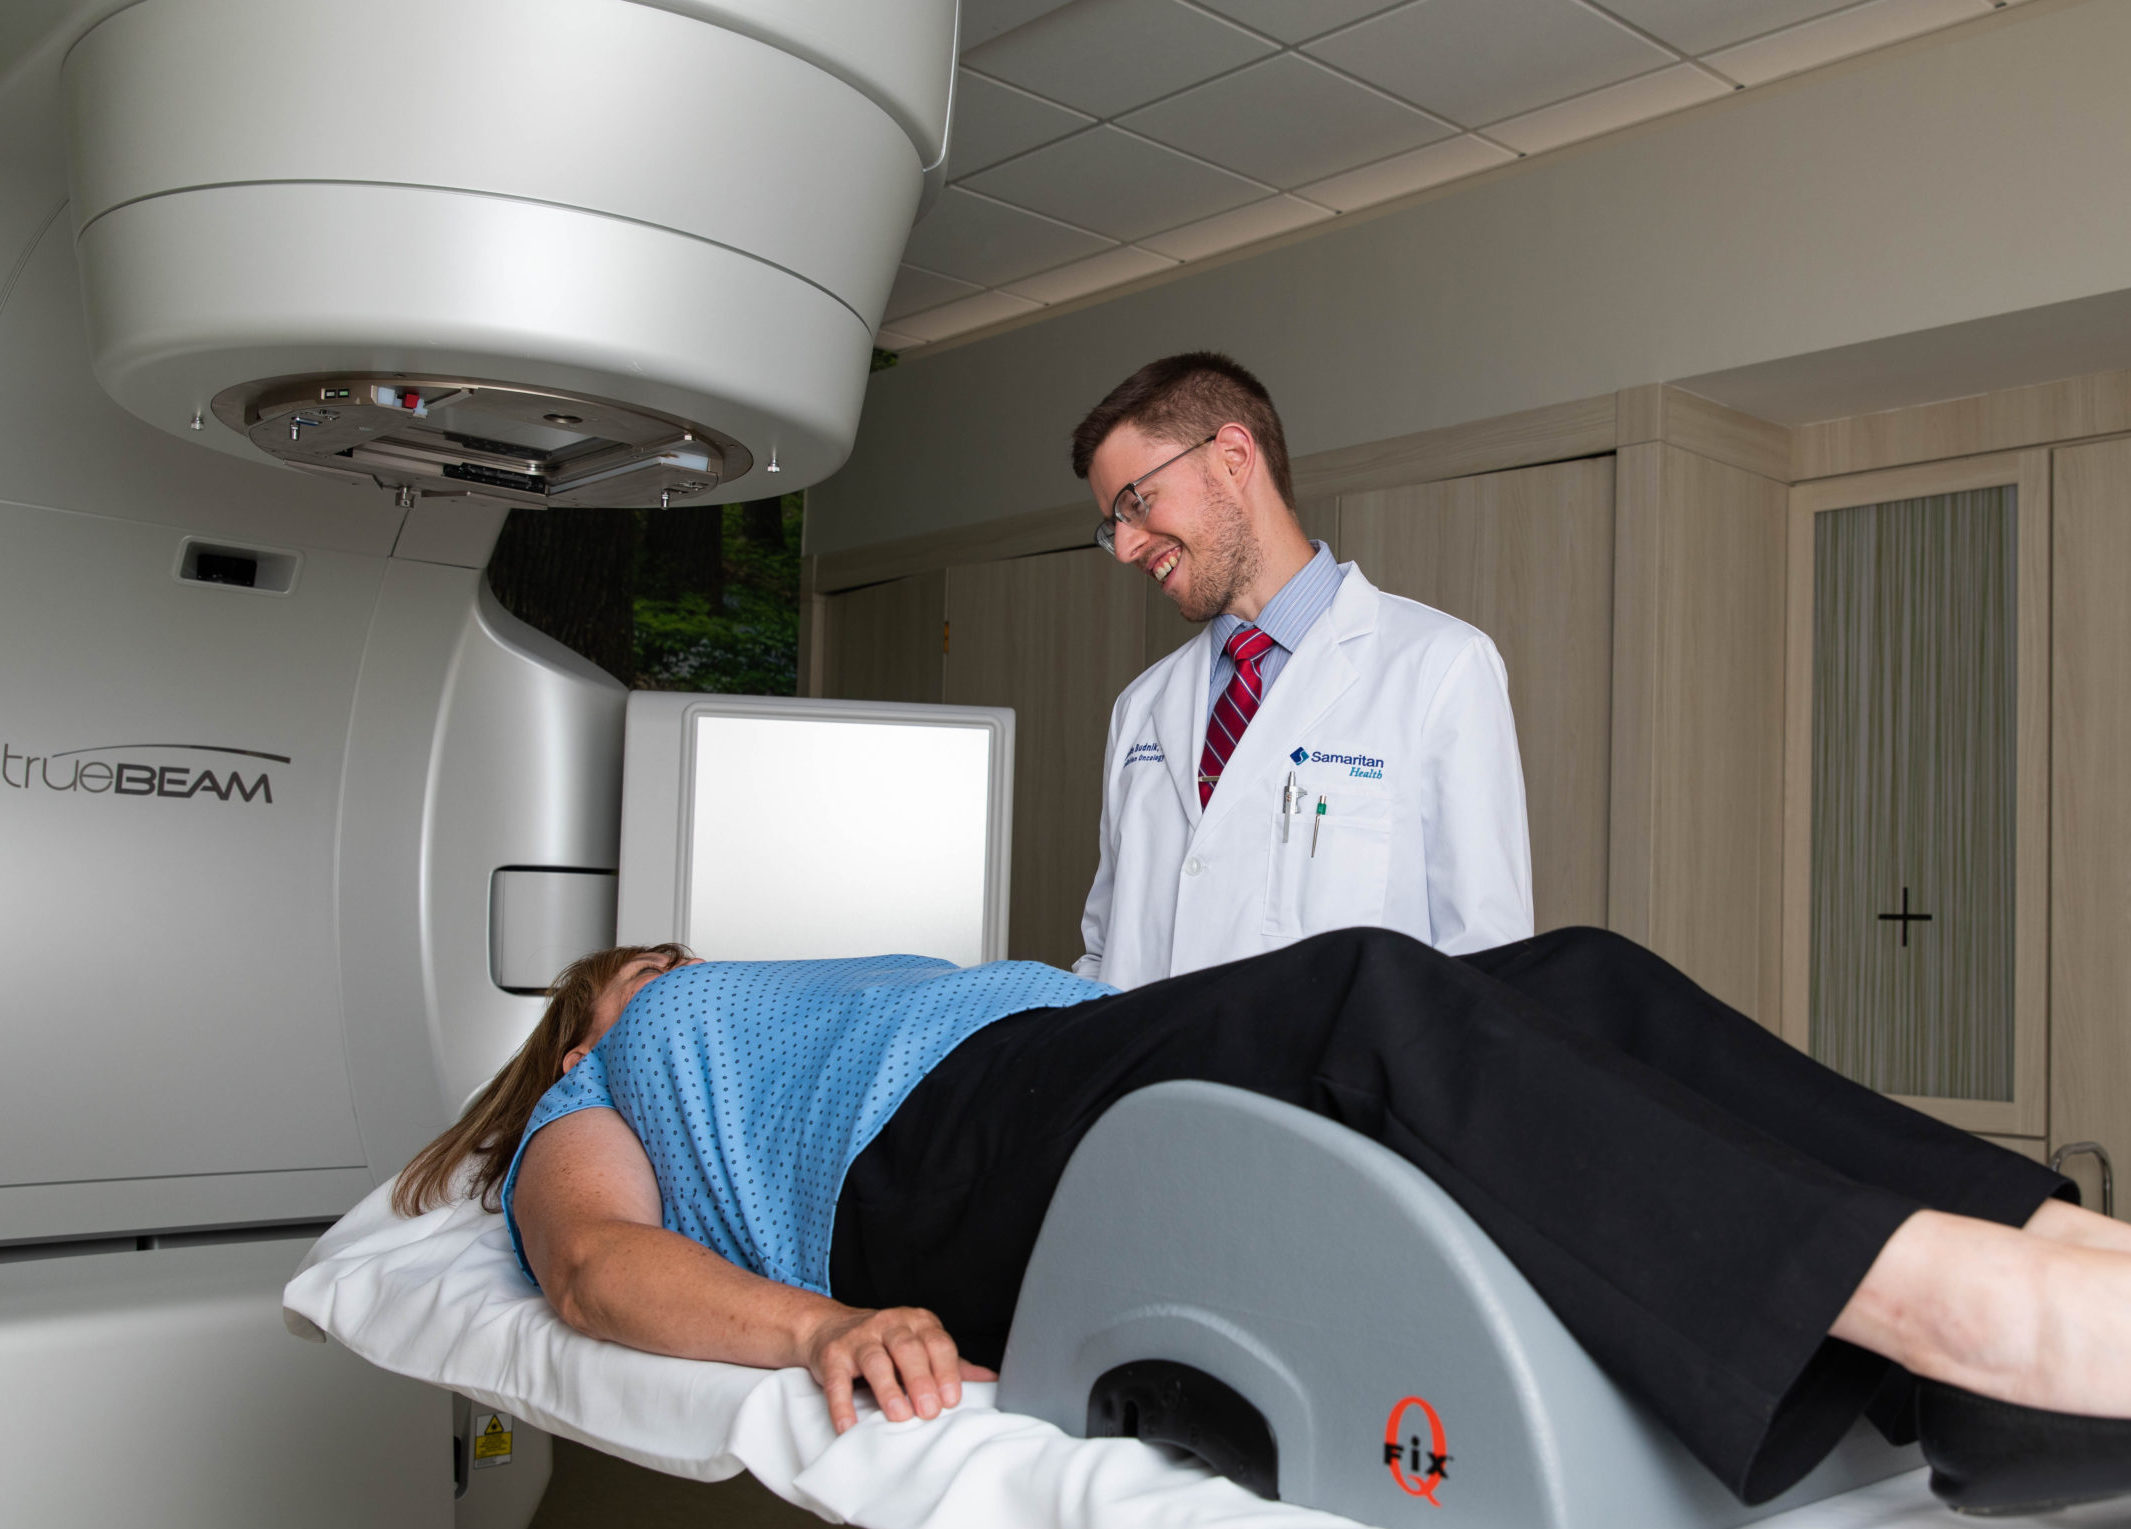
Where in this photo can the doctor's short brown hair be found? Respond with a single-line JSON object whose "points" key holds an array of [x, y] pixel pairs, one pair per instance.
{"points": [[1184, 399]]}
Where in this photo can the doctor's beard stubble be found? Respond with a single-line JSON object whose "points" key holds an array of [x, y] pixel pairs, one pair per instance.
{"points": [[1225, 559]]}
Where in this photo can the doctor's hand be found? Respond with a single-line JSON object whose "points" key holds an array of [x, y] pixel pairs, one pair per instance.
{"points": [[903, 1353]]}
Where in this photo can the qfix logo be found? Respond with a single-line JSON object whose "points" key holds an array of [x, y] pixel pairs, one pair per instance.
{"points": [[95, 772], [1419, 1465]]}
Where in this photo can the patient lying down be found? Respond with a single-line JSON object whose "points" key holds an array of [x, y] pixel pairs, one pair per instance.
{"points": [[844, 1165]]}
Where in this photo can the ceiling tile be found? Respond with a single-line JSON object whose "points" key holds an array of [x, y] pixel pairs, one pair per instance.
{"points": [[1112, 268], [979, 240], [1108, 56], [896, 340], [1114, 183], [1873, 25], [969, 313], [1405, 173], [1696, 26], [1232, 230], [1602, 111], [917, 289], [1286, 121], [1478, 61], [994, 122], [982, 20], [1297, 20]]}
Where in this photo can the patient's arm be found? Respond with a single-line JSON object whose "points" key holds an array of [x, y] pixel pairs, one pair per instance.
{"points": [[587, 1205]]}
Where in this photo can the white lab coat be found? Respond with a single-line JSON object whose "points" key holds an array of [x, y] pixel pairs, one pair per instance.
{"points": [[1401, 716]]}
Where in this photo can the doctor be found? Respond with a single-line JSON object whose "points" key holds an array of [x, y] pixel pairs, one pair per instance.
{"points": [[1324, 755]]}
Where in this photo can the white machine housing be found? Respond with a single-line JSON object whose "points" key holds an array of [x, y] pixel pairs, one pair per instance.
{"points": [[296, 819], [690, 210]]}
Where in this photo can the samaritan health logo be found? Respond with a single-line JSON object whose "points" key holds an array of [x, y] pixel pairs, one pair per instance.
{"points": [[1359, 766]]}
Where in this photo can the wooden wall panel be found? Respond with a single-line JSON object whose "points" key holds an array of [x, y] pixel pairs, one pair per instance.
{"points": [[1527, 557], [1553, 433], [1056, 638], [2065, 410], [1658, 412], [2090, 829], [1696, 851], [883, 642]]}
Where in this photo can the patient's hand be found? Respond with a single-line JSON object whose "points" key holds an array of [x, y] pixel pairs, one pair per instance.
{"points": [[902, 1353]]}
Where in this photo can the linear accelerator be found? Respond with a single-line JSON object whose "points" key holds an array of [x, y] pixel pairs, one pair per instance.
{"points": [[296, 303]]}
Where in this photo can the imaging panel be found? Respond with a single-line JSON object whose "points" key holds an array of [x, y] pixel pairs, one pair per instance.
{"points": [[758, 829]]}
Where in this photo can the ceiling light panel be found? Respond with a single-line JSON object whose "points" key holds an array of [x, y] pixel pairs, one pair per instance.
{"points": [[1108, 56], [1295, 21], [1616, 106], [1109, 269], [1233, 230], [1404, 174], [966, 314], [1114, 183], [916, 290], [995, 122], [1696, 26], [1478, 61], [982, 241], [1286, 121], [1864, 27]]}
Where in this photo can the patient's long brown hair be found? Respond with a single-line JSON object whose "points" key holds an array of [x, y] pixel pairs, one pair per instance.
{"points": [[489, 1129]]}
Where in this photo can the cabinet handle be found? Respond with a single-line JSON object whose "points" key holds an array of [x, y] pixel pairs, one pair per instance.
{"points": [[2072, 1149]]}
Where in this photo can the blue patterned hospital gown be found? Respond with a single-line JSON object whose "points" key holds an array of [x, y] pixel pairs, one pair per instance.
{"points": [[754, 1085]]}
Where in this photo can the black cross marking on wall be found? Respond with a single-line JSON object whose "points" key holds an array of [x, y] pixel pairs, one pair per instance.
{"points": [[1905, 918]]}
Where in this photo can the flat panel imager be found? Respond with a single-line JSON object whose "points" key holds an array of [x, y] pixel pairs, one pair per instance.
{"points": [[763, 829]]}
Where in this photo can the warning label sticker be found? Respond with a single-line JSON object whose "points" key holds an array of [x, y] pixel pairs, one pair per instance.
{"points": [[492, 1440]]}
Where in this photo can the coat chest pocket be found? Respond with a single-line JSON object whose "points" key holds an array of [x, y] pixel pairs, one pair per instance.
{"points": [[1343, 884]]}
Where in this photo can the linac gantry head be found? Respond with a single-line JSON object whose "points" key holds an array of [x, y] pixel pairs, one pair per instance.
{"points": [[590, 252]]}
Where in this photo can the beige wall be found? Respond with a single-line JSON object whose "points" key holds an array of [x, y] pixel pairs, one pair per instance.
{"points": [[1969, 174]]}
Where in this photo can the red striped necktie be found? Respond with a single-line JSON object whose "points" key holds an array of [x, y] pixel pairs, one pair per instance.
{"points": [[1247, 646]]}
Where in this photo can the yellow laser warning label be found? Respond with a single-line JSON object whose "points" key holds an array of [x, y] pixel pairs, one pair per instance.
{"points": [[492, 1440]]}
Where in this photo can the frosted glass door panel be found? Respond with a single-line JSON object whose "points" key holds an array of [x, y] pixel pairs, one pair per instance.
{"points": [[821, 839], [1915, 712]]}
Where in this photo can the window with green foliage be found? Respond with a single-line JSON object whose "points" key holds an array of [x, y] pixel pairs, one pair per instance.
{"points": [[683, 599], [743, 637]]}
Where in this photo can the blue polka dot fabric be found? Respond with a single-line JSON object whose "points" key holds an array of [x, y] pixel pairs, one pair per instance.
{"points": [[754, 1085]]}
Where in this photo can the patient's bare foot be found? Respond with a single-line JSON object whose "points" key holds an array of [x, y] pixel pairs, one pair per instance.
{"points": [[2008, 1314], [2062, 1222]]}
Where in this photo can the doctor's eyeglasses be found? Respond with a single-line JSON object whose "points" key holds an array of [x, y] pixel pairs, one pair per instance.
{"points": [[1128, 508]]}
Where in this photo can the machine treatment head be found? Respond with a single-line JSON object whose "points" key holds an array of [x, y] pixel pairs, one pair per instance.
{"points": [[483, 440], [641, 264]]}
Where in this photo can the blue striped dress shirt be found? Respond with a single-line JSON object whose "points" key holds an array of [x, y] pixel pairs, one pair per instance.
{"points": [[1286, 617]]}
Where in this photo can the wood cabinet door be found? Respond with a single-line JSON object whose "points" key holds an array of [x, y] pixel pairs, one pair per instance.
{"points": [[2090, 811], [1055, 637], [885, 642], [1527, 557]]}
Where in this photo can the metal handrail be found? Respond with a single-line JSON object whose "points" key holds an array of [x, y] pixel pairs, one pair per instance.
{"points": [[2072, 1149]]}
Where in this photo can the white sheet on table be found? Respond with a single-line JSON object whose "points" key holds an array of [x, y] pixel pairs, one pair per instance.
{"points": [[440, 1298]]}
